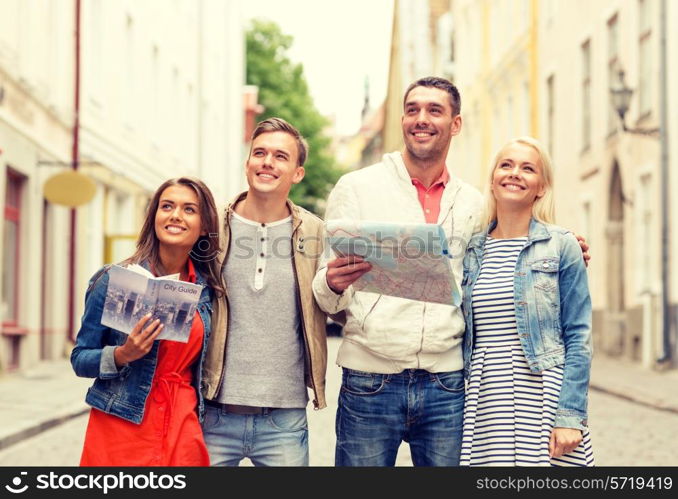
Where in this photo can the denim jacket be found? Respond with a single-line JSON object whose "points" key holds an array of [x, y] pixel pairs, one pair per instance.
{"points": [[123, 392], [553, 311]]}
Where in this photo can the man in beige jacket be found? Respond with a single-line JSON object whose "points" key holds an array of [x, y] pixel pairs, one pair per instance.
{"points": [[268, 341]]}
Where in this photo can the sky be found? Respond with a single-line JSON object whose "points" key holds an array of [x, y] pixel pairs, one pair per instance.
{"points": [[339, 43]]}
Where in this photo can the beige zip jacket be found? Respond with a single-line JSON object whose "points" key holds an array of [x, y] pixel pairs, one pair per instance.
{"points": [[308, 245], [384, 334]]}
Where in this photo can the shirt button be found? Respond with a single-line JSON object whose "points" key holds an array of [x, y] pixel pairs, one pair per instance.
{"points": [[546, 265], [259, 270], [262, 239], [428, 211], [263, 225], [261, 255]]}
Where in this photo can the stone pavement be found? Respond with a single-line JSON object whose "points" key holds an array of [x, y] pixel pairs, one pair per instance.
{"points": [[622, 378], [321, 434], [50, 394], [38, 399]]}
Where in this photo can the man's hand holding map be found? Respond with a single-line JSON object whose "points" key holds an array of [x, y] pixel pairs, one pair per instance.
{"points": [[408, 260]]}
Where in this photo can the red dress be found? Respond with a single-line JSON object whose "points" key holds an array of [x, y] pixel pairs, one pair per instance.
{"points": [[170, 433]]}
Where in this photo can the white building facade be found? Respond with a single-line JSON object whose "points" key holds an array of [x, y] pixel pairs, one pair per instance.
{"points": [[160, 97]]}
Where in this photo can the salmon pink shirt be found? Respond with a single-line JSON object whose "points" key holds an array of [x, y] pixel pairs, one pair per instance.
{"points": [[430, 198]]}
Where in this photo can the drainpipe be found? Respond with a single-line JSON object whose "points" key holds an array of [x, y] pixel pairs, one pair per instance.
{"points": [[74, 164], [664, 182]]}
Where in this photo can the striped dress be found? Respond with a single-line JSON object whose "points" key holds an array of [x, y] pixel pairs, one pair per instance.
{"points": [[510, 411]]}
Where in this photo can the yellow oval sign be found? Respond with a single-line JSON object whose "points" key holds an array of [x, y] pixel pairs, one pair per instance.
{"points": [[69, 188]]}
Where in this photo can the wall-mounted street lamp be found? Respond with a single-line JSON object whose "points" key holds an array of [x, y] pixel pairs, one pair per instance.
{"points": [[621, 100]]}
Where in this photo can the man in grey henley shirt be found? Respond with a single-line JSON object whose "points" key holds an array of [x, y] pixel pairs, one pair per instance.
{"points": [[259, 411]]}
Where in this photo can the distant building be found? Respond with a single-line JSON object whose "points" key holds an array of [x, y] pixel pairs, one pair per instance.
{"points": [[365, 147], [371, 131], [419, 47]]}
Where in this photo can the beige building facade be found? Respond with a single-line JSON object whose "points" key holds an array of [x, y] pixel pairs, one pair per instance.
{"points": [[609, 181], [545, 68]]}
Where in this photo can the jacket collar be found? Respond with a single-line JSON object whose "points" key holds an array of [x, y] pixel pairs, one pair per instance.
{"points": [[294, 210], [537, 232]]}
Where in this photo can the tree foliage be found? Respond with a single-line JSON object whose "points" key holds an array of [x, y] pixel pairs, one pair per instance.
{"points": [[284, 93]]}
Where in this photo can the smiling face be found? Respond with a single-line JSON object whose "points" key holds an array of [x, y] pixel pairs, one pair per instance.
{"points": [[177, 220], [272, 166], [518, 178], [428, 124]]}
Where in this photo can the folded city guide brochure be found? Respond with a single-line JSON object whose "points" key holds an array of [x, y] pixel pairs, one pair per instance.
{"points": [[133, 292], [409, 260]]}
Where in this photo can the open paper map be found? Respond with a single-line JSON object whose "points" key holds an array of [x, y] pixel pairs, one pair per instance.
{"points": [[408, 260]]}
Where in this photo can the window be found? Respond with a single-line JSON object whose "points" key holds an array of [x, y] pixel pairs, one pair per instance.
{"points": [[550, 11], [525, 111], [154, 119], [612, 69], [645, 230], [510, 127], [586, 221], [131, 111], [644, 56], [176, 113], [10, 257], [96, 56], [119, 226], [497, 137], [495, 22], [587, 229], [9, 27], [550, 113], [586, 96]]}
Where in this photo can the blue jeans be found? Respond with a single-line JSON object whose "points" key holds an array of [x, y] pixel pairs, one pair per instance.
{"points": [[279, 438], [378, 411]]}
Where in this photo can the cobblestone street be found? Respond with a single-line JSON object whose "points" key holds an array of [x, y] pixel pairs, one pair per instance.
{"points": [[624, 434]]}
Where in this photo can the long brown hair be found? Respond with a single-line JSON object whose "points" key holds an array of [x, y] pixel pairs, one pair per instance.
{"points": [[206, 248]]}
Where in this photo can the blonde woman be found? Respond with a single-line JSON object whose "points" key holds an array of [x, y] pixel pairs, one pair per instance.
{"points": [[527, 308]]}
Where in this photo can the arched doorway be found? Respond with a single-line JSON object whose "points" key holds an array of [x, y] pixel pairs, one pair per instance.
{"points": [[615, 335]]}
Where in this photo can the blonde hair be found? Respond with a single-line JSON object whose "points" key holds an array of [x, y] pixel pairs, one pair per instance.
{"points": [[543, 208]]}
